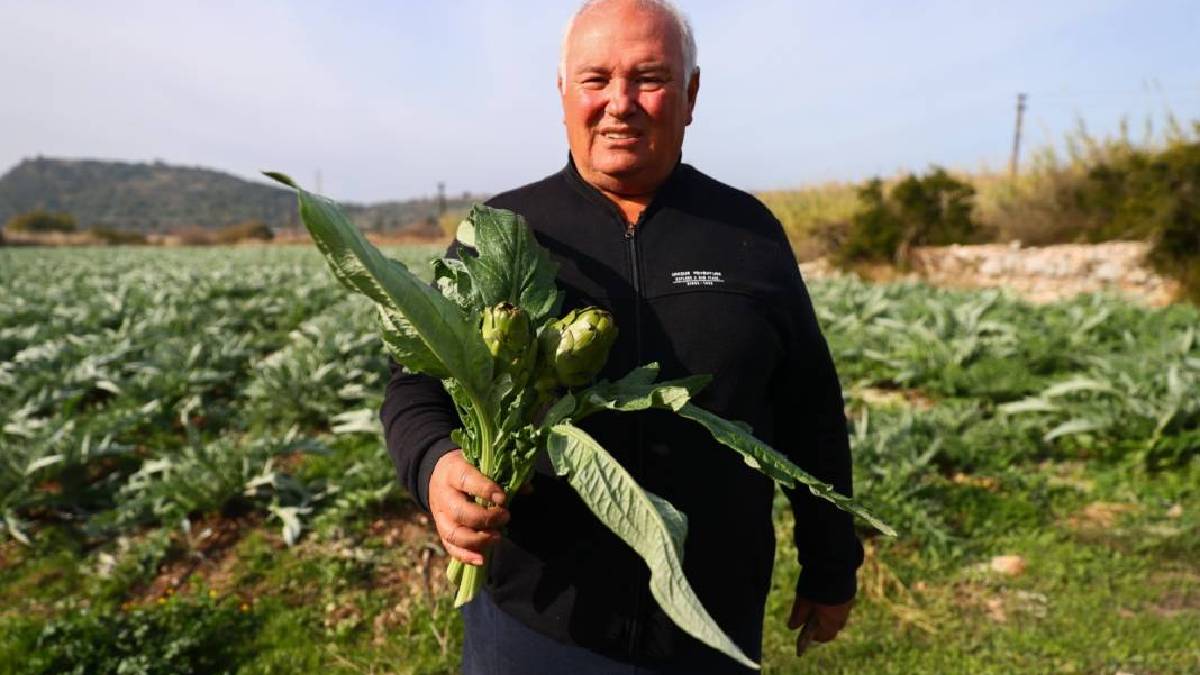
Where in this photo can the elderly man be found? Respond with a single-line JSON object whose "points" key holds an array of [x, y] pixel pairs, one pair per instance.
{"points": [[700, 278]]}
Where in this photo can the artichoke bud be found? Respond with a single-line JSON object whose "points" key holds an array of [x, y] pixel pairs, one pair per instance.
{"points": [[509, 337], [583, 339]]}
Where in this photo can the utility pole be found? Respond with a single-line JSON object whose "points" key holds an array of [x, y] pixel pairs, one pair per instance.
{"points": [[441, 199], [1016, 149]]}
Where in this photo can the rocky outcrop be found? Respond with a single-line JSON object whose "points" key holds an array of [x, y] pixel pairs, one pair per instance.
{"points": [[1039, 274]]}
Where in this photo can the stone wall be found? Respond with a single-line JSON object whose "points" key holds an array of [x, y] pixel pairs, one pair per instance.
{"points": [[1040, 274]]}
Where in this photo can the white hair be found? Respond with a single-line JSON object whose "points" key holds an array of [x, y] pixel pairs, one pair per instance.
{"points": [[687, 40]]}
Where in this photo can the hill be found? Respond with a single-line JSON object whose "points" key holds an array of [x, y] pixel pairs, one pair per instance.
{"points": [[159, 197]]}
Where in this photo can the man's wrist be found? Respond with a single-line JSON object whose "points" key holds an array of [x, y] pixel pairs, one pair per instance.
{"points": [[827, 584]]}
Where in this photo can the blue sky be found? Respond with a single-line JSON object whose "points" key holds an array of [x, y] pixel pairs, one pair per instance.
{"points": [[384, 99]]}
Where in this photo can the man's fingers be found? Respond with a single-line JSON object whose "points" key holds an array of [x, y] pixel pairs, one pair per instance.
{"points": [[825, 633], [462, 554], [476, 541], [801, 609], [476, 517], [468, 479]]}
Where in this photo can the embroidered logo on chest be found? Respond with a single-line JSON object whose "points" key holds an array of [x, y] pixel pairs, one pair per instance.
{"points": [[696, 278]]}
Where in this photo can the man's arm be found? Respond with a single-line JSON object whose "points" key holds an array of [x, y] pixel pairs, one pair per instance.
{"points": [[417, 416], [812, 431]]}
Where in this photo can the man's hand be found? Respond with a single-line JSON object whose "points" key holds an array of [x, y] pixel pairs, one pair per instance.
{"points": [[820, 622], [466, 528]]}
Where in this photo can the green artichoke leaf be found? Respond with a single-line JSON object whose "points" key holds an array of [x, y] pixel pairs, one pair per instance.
{"points": [[632, 394], [524, 449], [641, 375], [468, 436], [737, 435], [510, 266], [454, 282], [647, 523], [405, 344], [449, 339], [465, 234], [560, 410]]}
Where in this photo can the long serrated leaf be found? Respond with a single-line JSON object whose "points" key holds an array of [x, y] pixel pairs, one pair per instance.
{"points": [[405, 345], [771, 462], [641, 375], [560, 410], [292, 526], [511, 266], [1027, 405], [13, 525], [365, 420], [638, 519], [637, 391], [1075, 385], [43, 462], [675, 520], [1072, 427], [454, 282], [451, 345]]}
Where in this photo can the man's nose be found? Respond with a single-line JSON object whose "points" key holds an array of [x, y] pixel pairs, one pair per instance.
{"points": [[622, 98]]}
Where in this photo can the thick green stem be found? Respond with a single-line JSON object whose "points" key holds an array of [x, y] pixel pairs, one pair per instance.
{"points": [[469, 577], [472, 580]]}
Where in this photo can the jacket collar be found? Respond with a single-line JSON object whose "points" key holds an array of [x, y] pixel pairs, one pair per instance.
{"points": [[571, 173]]}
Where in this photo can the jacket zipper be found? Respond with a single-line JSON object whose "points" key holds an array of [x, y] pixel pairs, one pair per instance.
{"points": [[631, 243]]}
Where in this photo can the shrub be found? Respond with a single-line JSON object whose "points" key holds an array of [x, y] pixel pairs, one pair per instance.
{"points": [[41, 221], [931, 210], [247, 230], [114, 236], [814, 217], [193, 236], [199, 635], [1176, 219]]}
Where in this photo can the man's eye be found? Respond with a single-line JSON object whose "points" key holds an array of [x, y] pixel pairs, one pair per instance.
{"points": [[651, 82], [594, 81]]}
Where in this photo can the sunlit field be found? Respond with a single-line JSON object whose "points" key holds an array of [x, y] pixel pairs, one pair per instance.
{"points": [[192, 477]]}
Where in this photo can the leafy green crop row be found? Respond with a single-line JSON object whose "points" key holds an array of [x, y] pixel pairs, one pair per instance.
{"points": [[143, 392], [147, 386]]}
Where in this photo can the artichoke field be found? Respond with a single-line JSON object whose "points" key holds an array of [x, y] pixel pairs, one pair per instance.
{"points": [[144, 391]]}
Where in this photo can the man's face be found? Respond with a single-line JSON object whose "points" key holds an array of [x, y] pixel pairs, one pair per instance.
{"points": [[625, 99]]}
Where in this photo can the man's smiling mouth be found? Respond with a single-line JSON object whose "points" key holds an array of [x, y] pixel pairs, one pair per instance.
{"points": [[619, 135]]}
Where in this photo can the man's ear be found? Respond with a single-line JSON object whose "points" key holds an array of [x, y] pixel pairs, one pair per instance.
{"points": [[558, 83], [693, 88]]}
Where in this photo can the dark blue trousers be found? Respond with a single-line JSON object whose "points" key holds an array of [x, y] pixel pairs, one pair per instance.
{"points": [[497, 644]]}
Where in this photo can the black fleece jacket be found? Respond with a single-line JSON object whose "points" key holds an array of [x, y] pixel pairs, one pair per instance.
{"points": [[705, 283]]}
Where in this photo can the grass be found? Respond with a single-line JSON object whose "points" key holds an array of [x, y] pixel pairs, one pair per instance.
{"points": [[1094, 597], [1104, 589]]}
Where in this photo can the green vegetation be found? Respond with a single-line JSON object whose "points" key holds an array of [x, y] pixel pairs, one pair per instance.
{"points": [[181, 415], [1103, 189], [115, 236], [39, 221], [931, 210], [247, 230]]}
